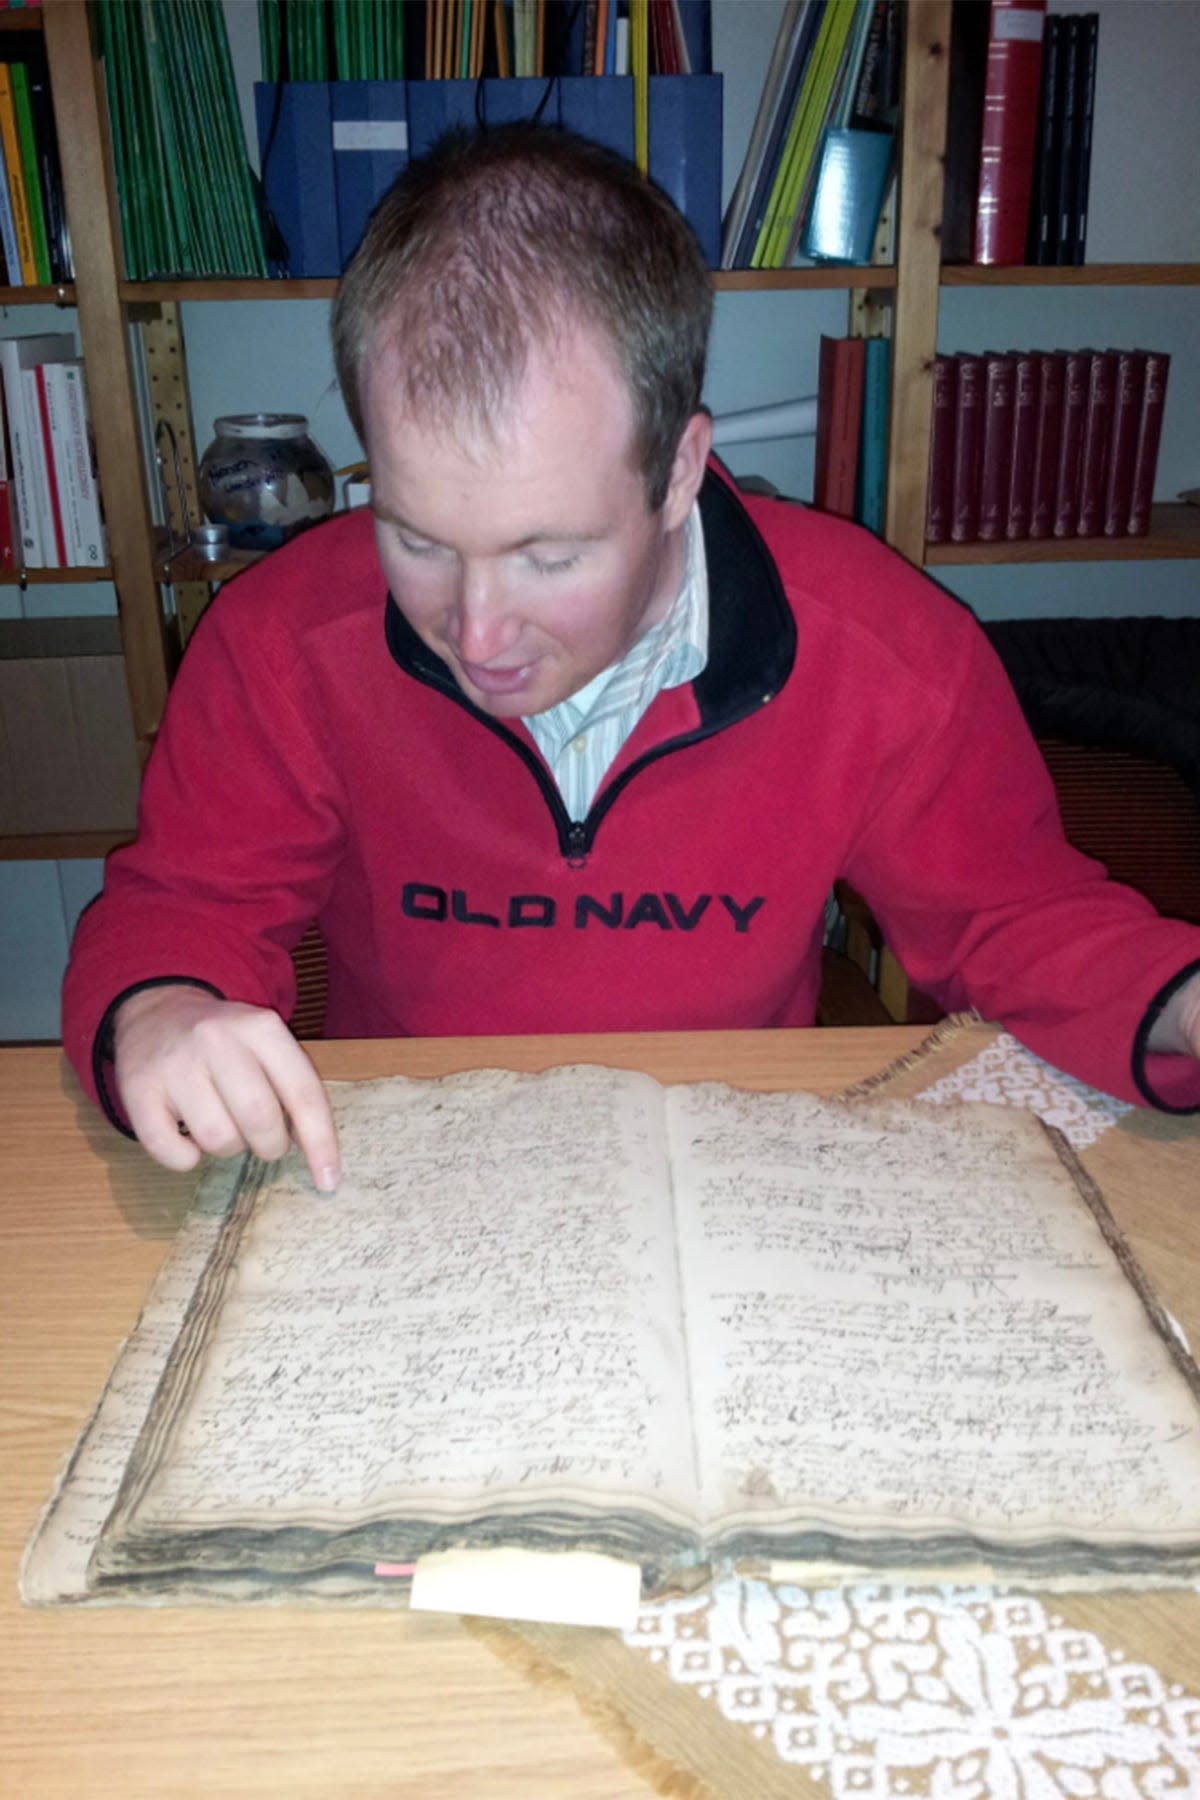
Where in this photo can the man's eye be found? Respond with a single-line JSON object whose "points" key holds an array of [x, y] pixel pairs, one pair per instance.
{"points": [[412, 547], [553, 565]]}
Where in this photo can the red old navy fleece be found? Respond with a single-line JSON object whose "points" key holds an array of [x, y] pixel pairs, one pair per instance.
{"points": [[317, 761]]}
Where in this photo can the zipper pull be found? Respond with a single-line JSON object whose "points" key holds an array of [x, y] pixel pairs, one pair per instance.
{"points": [[577, 846]]}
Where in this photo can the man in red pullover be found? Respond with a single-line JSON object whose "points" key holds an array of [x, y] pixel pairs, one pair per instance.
{"points": [[566, 736]]}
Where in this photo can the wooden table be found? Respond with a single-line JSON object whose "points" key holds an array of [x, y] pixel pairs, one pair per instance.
{"points": [[133, 1702]]}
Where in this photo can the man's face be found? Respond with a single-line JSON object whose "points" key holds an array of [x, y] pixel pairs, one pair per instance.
{"points": [[530, 563]]}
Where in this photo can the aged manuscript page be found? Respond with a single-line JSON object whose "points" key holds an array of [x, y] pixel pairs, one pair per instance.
{"points": [[906, 1319]]}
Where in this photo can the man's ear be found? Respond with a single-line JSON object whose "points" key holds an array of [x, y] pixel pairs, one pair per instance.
{"points": [[687, 471]]}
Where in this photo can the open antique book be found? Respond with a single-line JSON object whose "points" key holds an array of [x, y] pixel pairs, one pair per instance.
{"points": [[694, 1327]]}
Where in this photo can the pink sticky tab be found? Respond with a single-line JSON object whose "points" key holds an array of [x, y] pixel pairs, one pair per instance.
{"points": [[395, 1568]]}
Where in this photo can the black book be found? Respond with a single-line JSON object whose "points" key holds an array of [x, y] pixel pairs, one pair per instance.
{"points": [[1068, 165], [58, 240], [970, 25], [1089, 33], [1043, 205]]}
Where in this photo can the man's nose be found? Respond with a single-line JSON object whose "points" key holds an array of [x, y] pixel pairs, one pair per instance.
{"points": [[485, 625]]}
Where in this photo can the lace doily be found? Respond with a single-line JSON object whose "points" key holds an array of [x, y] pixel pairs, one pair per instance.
{"points": [[1009, 1075], [949, 1693]]}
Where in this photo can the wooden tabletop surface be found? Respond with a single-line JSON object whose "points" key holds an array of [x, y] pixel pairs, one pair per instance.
{"points": [[134, 1702]]}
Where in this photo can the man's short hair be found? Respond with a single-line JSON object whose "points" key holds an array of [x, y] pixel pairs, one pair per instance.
{"points": [[503, 241]]}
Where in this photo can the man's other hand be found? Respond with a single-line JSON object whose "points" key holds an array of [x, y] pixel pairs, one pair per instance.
{"points": [[195, 1074]]}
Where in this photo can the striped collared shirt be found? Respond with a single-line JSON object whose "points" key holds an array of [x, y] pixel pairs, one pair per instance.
{"points": [[581, 736]]}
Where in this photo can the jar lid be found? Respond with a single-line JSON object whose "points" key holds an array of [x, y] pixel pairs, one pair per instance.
{"points": [[261, 425]]}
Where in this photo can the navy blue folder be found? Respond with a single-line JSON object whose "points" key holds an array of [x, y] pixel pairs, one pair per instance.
{"points": [[296, 158], [370, 147]]}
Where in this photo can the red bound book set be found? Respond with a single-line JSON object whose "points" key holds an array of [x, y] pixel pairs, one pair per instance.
{"points": [[1034, 444]]}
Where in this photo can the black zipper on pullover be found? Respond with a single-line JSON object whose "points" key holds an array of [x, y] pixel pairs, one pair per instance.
{"points": [[575, 836]]}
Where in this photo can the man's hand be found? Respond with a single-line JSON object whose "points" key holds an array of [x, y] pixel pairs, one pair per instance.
{"points": [[1177, 1027], [195, 1074]]}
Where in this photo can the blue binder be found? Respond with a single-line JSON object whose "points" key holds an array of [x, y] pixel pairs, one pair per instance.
{"points": [[370, 147], [435, 107], [297, 170], [685, 151], [599, 108]]}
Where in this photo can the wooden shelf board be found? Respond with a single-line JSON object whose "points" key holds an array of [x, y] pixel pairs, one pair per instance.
{"points": [[1081, 275], [42, 577], [186, 565], [229, 287], [21, 18], [1174, 532], [63, 295], [829, 275], [62, 846]]}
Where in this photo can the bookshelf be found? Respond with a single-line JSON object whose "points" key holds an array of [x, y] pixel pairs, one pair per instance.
{"points": [[912, 286]]}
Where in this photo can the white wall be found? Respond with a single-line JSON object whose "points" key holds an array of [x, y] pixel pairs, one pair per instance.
{"points": [[1145, 206]]}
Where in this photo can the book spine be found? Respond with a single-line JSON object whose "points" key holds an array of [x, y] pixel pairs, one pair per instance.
{"points": [[839, 424], [1010, 120], [1068, 159], [1089, 25], [8, 532], [872, 462], [1145, 462], [1043, 207], [51, 378], [8, 237], [968, 450], [47, 474], [1070, 443], [10, 144], [940, 502], [59, 241], [1127, 409], [31, 554], [1021, 463], [999, 394], [1097, 439], [964, 127], [27, 146], [1051, 372], [93, 544]]}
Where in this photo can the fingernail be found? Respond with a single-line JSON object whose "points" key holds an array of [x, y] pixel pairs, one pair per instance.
{"points": [[327, 1180]]}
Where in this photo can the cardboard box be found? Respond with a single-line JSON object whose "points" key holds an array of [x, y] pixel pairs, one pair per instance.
{"points": [[67, 756]]}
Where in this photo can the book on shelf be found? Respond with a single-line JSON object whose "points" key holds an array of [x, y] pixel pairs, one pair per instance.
{"points": [[967, 463], [969, 28], [1129, 386], [19, 355], [53, 524], [67, 420], [1035, 444], [995, 455], [829, 87], [1076, 370], [1042, 235], [1051, 376], [579, 1310], [1150, 423], [870, 495], [1022, 457], [940, 499], [1009, 130], [841, 372], [1097, 439], [11, 549], [1072, 243], [25, 272]]}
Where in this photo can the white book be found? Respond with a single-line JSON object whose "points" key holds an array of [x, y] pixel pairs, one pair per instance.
{"points": [[67, 394], [55, 426], [25, 435]]}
